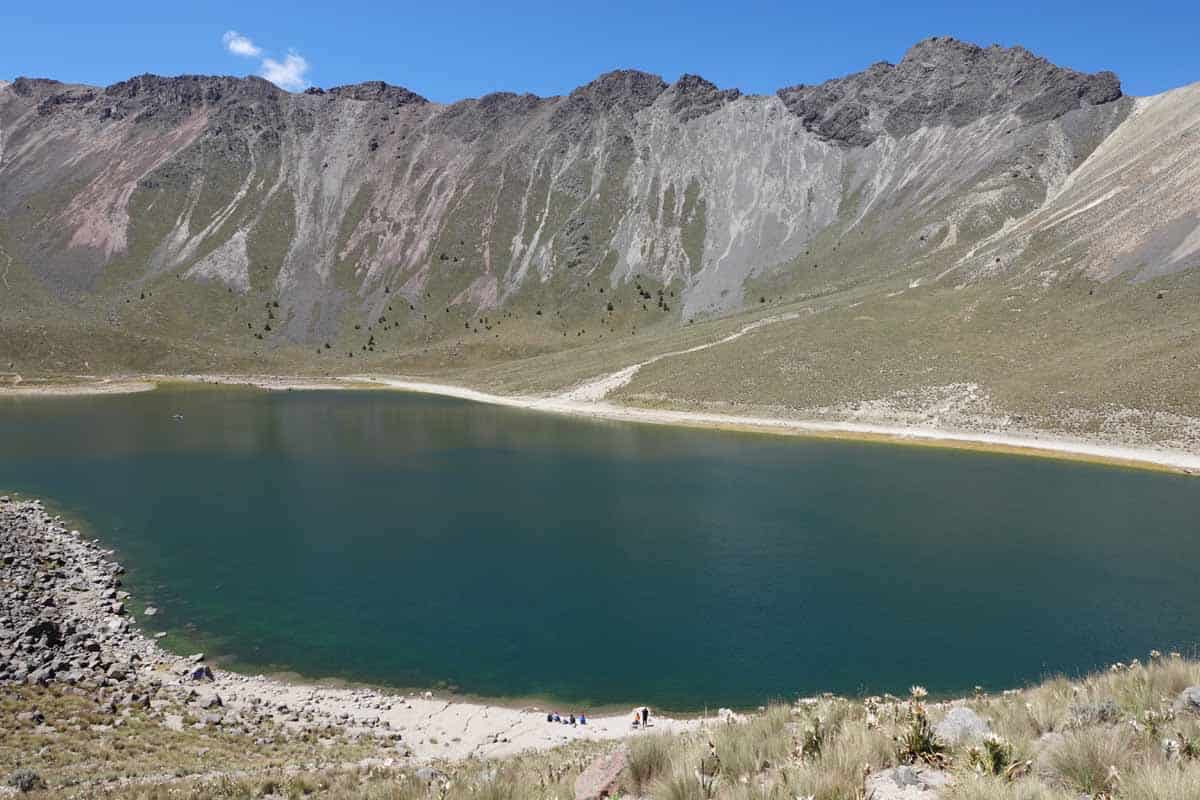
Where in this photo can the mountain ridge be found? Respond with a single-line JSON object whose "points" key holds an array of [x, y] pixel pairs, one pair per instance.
{"points": [[209, 221], [1094, 88]]}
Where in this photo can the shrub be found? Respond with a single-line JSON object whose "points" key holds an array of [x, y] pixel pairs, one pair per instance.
{"points": [[812, 738], [1100, 712], [993, 758], [919, 742], [26, 780]]}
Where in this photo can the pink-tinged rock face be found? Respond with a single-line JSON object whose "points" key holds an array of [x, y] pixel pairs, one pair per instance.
{"points": [[602, 778], [99, 215]]}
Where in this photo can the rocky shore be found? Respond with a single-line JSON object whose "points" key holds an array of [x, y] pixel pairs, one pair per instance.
{"points": [[65, 621]]}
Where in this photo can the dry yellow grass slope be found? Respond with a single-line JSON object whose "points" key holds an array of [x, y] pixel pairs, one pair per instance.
{"points": [[1132, 732]]}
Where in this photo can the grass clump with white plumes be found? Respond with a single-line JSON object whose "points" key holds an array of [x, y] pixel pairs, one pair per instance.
{"points": [[1121, 734]]}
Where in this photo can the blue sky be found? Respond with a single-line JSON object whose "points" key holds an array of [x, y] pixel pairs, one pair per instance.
{"points": [[450, 49]]}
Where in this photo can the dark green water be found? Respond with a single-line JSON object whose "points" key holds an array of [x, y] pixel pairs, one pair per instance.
{"points": [[419, 541]]}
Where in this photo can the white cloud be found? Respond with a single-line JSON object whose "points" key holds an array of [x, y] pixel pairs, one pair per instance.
{"points": [[288, 74], [240, 45]]}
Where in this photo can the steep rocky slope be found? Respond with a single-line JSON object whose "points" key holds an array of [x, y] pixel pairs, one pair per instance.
{"points": [[205, 222]]}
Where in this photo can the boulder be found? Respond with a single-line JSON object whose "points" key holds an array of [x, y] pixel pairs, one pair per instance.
{"points": [[430, 775], [962, 726], [907, 783], [602, 778], [1189, 700], [45, 629], [201, 673]]}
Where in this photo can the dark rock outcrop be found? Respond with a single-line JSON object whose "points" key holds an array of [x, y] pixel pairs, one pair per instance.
{"points": [[624, 91], [944, 81], [378, 92], [694, 97]]}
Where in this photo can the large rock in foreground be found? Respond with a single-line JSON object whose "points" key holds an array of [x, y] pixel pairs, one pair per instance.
{"points": [[602, 778], [907, 783], [1189, 700], [962, 726]]}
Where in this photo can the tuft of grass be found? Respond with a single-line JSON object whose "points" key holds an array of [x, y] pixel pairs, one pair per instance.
{"points": [[839, 771], [649, 759], [498, 788], [756, 745], [1085, 759], [680, 785], [992, 788], [1162, 782]]}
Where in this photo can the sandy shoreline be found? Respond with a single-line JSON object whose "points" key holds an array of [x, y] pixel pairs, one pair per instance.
{"points": [[570, 403], [1047, 446], [81, 386]]}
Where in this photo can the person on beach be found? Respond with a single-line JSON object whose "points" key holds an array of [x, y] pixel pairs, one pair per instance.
{"points": [[572, 719], [645, 717], [637, 718], [583, 718]]}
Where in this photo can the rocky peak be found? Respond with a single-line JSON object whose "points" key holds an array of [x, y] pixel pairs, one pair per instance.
{"points": [[944, 81], [507, 103], [627, 90], [27, 87], [168, 99], [380, 92], [190, 91], [693, 96]]}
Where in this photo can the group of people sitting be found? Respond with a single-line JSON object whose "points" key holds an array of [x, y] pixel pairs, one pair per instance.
{"points": [[641, 718]]}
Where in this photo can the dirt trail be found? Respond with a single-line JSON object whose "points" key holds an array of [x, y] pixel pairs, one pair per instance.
{"points": [[598, 389]]}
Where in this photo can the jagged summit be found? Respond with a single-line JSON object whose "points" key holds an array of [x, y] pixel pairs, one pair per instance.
{"points": [[694, 96], [939, 80], [377, 91], [624, 89], [192, 89], [942, 80]]}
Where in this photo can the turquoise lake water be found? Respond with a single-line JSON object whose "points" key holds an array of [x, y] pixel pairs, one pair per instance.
{"points": [[418, 542]]}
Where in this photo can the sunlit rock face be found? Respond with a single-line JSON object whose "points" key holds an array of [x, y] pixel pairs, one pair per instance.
{"points": [[335, 201]]}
